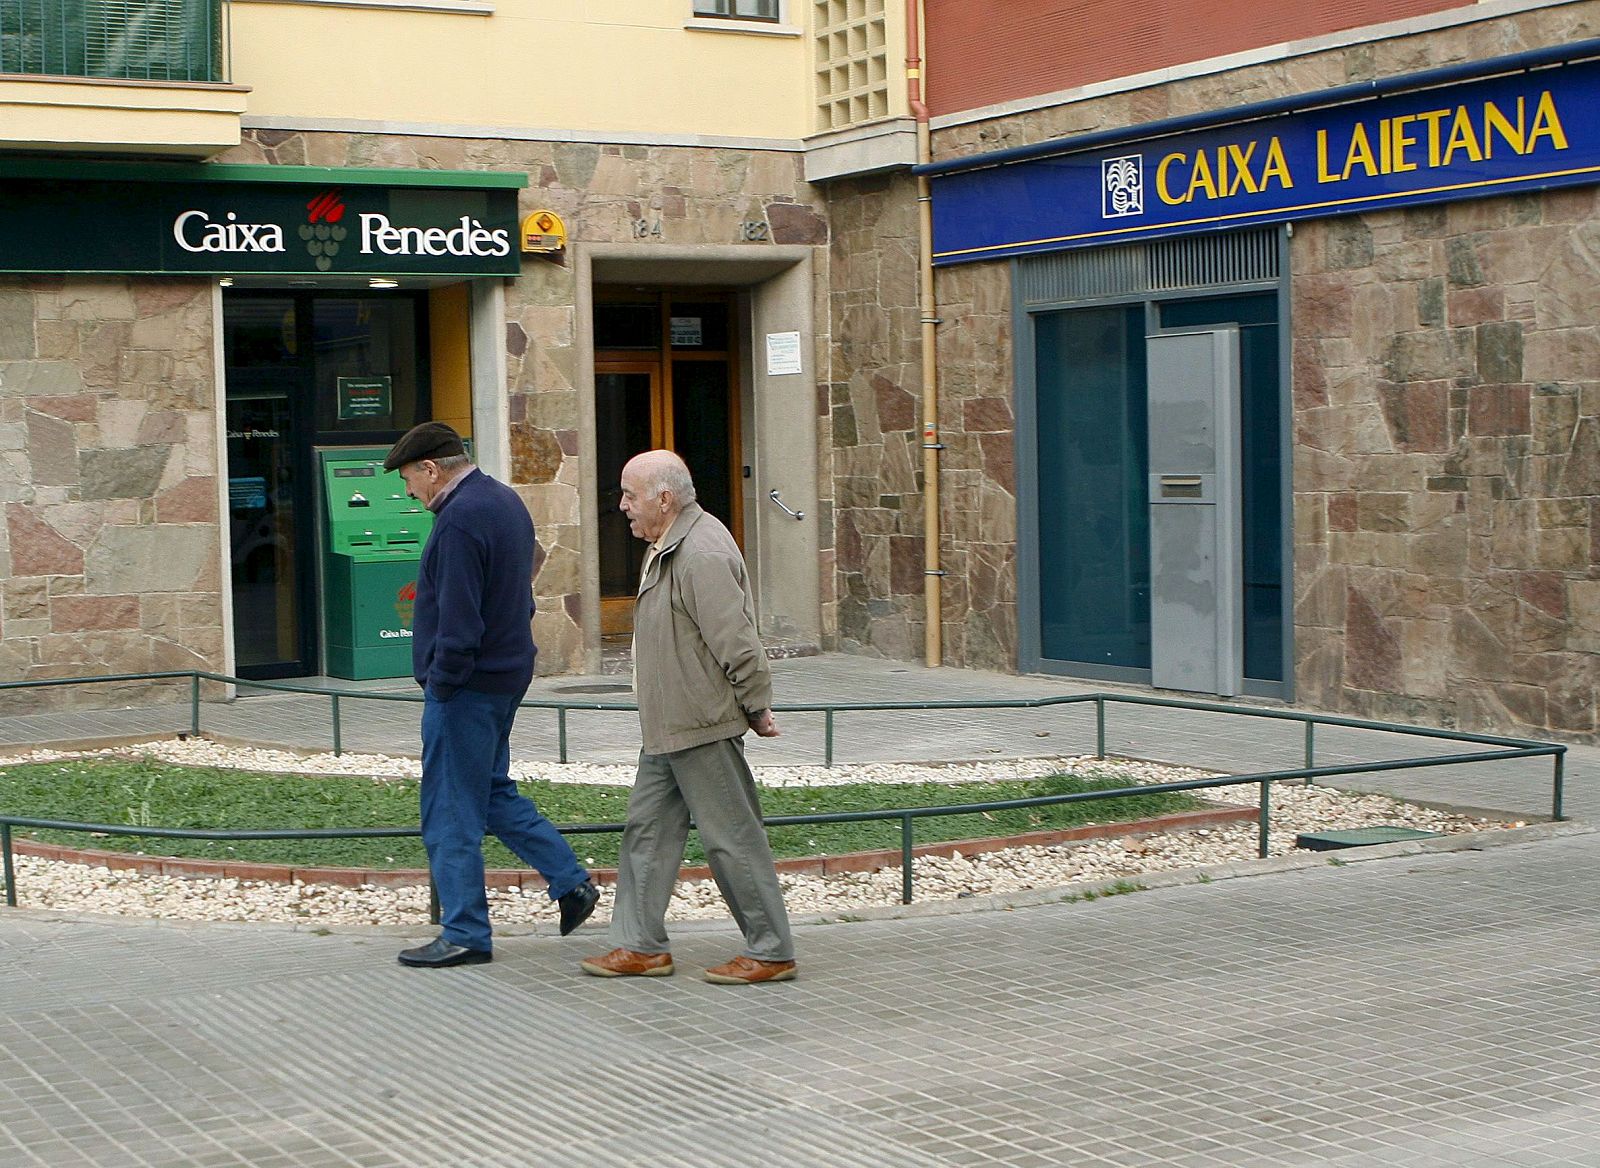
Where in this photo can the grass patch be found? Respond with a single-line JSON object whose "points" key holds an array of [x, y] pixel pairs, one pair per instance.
{"points": [[1120, 888], [149, 792]]}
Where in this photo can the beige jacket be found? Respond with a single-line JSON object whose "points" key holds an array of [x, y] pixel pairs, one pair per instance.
{"points": [[699, 668]]}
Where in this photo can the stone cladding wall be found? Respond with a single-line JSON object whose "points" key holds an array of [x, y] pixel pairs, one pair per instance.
{"points": [[872, 455], [1447, 463], [874, 403], [699, 196], [109, 556]]}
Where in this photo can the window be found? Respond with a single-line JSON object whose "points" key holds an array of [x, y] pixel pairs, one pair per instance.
{"points": [[738, 9]]}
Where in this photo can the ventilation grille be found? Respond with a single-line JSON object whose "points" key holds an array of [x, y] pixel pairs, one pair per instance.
{"points": [[1167, 265]]}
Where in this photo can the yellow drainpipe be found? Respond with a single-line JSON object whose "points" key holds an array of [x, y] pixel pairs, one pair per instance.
{"points": [[932, 574]]}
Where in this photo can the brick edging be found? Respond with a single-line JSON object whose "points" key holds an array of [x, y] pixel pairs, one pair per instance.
{"points": [[529, 881]]}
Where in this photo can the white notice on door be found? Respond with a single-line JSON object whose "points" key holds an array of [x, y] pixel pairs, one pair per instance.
{"points": [[783, 354], [686, 331]]}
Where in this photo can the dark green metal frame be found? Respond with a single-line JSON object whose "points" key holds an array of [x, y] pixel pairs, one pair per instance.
{"points": [[1512, 748]]}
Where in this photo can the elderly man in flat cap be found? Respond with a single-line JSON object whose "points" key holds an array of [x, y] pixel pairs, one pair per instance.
{"points": [[472, 652]]}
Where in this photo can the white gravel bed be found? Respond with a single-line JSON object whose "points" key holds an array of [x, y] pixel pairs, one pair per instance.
{"points": [[203, 752], [1295, 809]]}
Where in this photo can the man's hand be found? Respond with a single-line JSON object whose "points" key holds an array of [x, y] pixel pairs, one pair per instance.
{"points": [[764, 724]]}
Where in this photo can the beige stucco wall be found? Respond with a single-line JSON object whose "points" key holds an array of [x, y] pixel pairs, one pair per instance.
{"points": [[629, 67]]}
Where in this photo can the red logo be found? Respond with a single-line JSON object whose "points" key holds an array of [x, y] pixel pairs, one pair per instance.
{"points": [[405, 606], [321, 230], [325, 208]]}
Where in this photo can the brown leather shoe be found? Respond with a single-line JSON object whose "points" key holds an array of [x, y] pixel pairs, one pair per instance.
{"points": [[744, 970], [627, 963]]}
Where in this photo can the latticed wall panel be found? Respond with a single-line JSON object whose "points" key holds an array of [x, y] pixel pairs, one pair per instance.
{"points": [[851, 62]]}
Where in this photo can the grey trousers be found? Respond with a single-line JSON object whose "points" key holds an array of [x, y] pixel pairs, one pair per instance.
{"points": [[713, 784]]}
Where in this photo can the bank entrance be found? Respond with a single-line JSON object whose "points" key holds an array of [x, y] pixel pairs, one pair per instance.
{"points": [[666, 376], [1153, 465], [306, 371]]}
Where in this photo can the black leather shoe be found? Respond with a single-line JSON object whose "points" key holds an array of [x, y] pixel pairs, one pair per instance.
{"points": [[438, 953], [578, 905]]}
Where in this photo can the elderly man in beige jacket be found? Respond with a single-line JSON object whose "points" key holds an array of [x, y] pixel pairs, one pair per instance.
{"points": [[701, 680]]}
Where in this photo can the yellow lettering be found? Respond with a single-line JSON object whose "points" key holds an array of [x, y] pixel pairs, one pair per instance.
{"points": [[1547, 124], [1433, 118], [1162, 190], [1494, 120], [1277, 166], [1323, 175], [1401, 140], [1201, 179], [1241, 174], [1463, 137], [1360, 153]]}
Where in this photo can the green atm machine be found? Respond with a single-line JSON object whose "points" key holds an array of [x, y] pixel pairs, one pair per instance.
{"points": [[371, 547]]}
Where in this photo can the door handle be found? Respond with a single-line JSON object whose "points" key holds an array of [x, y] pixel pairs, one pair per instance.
{"points": [[773, 495]]}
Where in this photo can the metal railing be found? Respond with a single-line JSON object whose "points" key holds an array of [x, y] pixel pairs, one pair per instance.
{"points": [[124, 40], [1509, 749]]}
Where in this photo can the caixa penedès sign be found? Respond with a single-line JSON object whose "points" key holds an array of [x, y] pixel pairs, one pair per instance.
{"points": [[56, 225]]}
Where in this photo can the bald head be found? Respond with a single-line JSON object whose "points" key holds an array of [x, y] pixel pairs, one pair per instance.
{"points": [[656, 486]]}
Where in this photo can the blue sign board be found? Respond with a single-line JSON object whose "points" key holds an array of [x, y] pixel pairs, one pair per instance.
{"points": [[1526, 131]]}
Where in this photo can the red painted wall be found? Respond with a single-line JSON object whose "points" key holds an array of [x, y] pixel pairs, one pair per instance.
{"points": [[981, 52]]}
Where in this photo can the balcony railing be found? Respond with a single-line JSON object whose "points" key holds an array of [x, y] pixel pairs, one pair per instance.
{"points": [[125, 40]]}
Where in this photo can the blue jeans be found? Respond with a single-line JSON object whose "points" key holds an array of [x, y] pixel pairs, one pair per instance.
{"points": [[466, 792]]}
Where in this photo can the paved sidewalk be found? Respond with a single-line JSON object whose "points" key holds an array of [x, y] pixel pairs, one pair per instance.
{"points": [[1428, 1010], [1407, 1007]]}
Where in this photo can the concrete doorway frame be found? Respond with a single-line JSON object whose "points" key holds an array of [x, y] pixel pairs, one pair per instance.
{"points": [[774, 295]]}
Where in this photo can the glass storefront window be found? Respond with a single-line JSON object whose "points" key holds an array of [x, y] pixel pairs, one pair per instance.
{"points": [[373, 341]]}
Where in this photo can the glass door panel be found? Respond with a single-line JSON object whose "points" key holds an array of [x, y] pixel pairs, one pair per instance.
{"points": [[1094, 527], [266, 517], [626, 423], [664, 378], [701, 424]]}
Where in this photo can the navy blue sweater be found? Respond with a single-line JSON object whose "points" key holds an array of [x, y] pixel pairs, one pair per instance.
{"points": [[472, 623]]}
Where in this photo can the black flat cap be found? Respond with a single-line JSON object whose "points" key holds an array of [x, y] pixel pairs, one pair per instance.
{"points": [[429, 440]]}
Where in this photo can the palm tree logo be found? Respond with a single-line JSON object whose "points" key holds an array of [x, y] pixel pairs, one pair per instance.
{"points": [[1124, 186]]}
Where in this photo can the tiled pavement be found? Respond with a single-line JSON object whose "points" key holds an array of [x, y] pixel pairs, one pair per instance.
{"points": [[1437, 1008]]}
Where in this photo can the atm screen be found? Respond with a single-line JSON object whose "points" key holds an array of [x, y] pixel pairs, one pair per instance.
{"points": [[352, 472]]}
